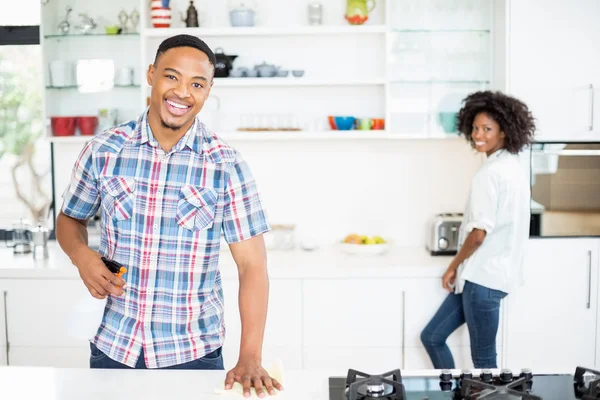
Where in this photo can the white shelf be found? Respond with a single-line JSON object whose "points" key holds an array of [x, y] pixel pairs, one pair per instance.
{"points": [[293, 135], [266, 31], [293, 81]]}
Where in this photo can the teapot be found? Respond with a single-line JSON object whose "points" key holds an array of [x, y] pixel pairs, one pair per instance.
{"points": [[357, 11], [224, 63], [191, 19]]}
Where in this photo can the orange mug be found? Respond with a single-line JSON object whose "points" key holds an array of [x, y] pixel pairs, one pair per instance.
{"points": [[378, 124]]}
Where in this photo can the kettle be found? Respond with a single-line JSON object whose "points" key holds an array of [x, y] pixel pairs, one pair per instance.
{"points": [[224, 63], [191, 19]]}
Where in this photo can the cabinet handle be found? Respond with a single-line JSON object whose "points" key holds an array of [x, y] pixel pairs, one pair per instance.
{"points": [[591, 107], [589, 297], [403, 329], [6, 342]]}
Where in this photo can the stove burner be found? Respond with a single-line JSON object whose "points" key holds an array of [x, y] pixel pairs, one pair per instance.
{"points": [[589, 390], [361, 386], [478, 390]]}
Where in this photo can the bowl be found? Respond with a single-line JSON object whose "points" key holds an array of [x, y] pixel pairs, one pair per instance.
{"points": [[448, 121], [364, 249], [298, 73], [341, 123], [87, 125], [63, 126], [111, 29], [282, 73]]}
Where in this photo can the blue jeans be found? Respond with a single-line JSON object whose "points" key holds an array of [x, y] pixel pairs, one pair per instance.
{"points": [[99, 360], [479, 307]]}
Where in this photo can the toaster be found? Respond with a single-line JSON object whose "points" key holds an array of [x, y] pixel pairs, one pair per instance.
{"points": [[442, 234]]}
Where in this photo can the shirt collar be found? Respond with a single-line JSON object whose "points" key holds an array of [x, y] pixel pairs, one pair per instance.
{"points": [[192, 139]]}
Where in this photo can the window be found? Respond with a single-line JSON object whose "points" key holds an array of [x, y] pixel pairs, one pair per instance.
{"points": [[25, 182]]}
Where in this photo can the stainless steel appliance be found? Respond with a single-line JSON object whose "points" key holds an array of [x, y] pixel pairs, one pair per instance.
{"points": [[19, 237], [565, 189], [442, 233], [525, 385]]}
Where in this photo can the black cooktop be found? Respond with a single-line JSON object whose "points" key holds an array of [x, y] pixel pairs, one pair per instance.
{"points": [[467, 386]]}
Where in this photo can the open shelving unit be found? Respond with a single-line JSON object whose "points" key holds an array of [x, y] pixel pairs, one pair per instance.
{"points": [[410, 69]]}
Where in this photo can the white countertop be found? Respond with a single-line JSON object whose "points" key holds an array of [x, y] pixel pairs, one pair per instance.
{"points": [[399, 262]]}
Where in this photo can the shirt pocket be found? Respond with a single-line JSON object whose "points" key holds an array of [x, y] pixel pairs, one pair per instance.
{"points": [[119, 197], [196, 207]]}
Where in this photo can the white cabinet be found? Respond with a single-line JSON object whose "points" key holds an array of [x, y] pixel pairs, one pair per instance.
{"points": [[553, 59], [353, 323], [38, 313], [551, 320], [283, 329], [3, 341]]}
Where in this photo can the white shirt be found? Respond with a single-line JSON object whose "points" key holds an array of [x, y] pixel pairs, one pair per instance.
{"points": [[498, 203]]}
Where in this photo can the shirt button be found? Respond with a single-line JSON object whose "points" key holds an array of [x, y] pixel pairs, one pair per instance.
{"points": [[145, 324], [152, 257], [155, 226]]}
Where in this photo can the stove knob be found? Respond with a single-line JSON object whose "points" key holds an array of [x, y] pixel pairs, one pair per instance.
{"points": [[527, 374], [506, 376], [446, 375], [486, 376], [443, 243], [466, 374]]}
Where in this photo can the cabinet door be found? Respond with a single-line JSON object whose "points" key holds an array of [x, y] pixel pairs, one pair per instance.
{"points": [[283, 329], [353, 323], [3, 341], [55, 357], [551, 320], [553, 59]]}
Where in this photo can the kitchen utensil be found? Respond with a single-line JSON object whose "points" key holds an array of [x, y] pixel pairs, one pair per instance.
{"points": [[224, 63], [364, 124], [87, 125], [19, 237], [242, 16], [357, 11], [282, 73], [112, 29], [161, 15], [39, 238], [266, 70], [442, 233], [191, 19], [298, 73], [341, 123], [315, 14], [63, 126], [61, 73]]}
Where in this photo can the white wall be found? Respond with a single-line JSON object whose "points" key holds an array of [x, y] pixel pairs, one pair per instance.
{"points": [[332, 188]]}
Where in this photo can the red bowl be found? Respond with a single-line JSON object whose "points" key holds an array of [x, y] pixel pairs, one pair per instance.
{"points": [[63, 126], [87, 125]]}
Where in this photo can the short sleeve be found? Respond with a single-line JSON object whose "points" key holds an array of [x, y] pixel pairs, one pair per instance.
{"points": [[81, 199], [483, 204], [243, 212]]}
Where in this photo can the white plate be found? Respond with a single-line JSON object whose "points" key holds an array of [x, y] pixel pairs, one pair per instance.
{"points": [[365, 249]]}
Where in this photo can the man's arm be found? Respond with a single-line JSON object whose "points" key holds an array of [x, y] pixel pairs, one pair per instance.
{"points": [[72, 236], [251, 259]]}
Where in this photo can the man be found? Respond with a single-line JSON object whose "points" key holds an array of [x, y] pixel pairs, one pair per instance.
{"points": [[167, 190]]}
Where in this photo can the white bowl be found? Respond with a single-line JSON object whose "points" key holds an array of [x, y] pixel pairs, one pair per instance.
{"points": [[365, 249]]}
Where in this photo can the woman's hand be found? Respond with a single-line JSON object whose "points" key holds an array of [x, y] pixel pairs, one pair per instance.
{"points": [[448, 278]]}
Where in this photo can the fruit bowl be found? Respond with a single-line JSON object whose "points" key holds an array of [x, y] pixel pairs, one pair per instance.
{"points": [[364, 249], [364, 245]]}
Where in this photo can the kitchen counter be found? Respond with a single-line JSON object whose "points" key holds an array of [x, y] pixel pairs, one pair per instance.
{"points": [[399, 262]]}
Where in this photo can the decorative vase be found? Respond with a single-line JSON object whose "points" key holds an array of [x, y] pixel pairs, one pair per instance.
{"points": [[161, 16]]}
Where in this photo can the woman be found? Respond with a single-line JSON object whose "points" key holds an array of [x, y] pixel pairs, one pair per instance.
{"points": [[493, 233]]}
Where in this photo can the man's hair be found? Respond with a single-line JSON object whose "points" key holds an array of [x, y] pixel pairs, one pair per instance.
{"points": [[185, 41]]}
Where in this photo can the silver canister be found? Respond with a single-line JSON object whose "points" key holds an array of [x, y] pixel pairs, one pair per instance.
{"points": [[315, 14], [40, 236]]}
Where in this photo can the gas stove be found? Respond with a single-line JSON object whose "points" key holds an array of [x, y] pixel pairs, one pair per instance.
{"points": [[583, 385]]}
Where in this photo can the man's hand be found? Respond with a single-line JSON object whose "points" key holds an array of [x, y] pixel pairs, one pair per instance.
{"points": [[448, 278], [96, 276], [252, 374]]}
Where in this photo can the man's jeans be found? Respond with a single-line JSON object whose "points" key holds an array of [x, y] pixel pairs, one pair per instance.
{"points": [[100, 360], [479, 307]]}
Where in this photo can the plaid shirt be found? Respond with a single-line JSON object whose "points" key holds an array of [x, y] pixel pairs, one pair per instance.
{"points": [[162, 217]]}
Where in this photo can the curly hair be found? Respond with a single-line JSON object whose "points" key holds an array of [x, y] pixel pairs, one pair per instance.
{"points": [[513, 116]]}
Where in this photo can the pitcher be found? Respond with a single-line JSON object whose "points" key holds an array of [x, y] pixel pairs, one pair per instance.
{"points": [[357, 11]]}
